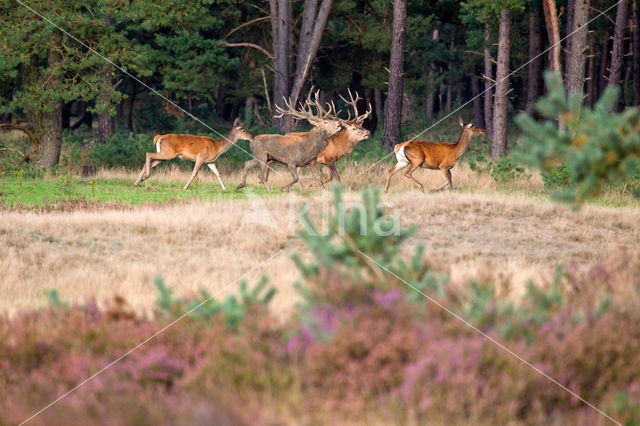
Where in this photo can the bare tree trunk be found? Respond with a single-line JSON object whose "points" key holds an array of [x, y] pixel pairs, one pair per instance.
{"points": [[449, 104], [280, 28], [393, 111], [591, 78], [635, 43], [615, 74], [478, 114], [577, 46], [488, 84], [378, 104], [500, 119], [604, 65], [308, 46], [46, 120], [553, 31], [106, 122], [534, 87]]}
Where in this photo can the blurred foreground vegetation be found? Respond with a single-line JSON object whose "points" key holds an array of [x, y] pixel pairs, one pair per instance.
{"points": [[363, 346]]}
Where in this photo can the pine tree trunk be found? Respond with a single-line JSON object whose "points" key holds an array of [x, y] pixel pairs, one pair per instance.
{"points": [[280, 29], [106, 122], [534, 86], [635, 43], [393, 111], [308, 46], [553, 32], [577, 46], [488, 84], [615, 74], [378, 104], [46, 120], [591, 78], [604, 65], [478, 114], [500, 119], [132, 100]]}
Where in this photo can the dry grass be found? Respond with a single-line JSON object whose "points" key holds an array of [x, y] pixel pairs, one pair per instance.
{"points": [[98, 254]]}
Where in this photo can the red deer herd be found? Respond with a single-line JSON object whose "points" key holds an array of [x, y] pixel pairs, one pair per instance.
{"points": [[330, 139]]}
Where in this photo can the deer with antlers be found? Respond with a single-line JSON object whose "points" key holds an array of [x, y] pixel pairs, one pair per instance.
{"points": [[432, 155], [342, 143], [199, 149], [295, 150]]}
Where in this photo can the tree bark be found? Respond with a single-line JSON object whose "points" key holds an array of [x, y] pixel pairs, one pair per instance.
{"points": [[615, 71], [534, 86], [378, 103], [591, 78], [553, 32], [604, 64], [577, 46], [488, 84], [106, 121], [478, 114], [635, 43], [308, 46], [280, 28], [393, 111], [499, 139], [46, 120]]}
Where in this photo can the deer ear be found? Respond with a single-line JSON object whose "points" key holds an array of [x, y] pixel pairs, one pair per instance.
{"points": [[469, 125], [461, 121], [236, 123]]}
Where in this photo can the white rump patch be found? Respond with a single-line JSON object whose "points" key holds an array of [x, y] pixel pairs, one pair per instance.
{"points": [[158, 145], [402, 159]]}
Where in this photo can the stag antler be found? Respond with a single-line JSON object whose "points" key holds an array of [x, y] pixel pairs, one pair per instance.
{"points": [[353, 102], [305, 112]]}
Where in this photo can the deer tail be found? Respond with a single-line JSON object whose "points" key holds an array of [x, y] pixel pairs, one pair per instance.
{"points": [[400, 155], [156, 141]]}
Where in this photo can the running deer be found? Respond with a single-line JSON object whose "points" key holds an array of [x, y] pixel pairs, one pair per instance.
{"points": [[342, 143], [432, 155], [199, 149], [295, 150]]}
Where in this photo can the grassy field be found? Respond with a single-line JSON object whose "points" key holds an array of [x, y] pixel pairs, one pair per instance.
{"points": [[93, 241]]}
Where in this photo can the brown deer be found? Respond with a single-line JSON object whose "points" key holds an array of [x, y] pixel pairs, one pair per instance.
{"points": [[199, 149], [295, 150], [342, 143], [432, 155]]}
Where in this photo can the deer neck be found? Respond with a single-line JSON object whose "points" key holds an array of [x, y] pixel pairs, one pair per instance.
{"points": [[463, 142], [231, 139]]}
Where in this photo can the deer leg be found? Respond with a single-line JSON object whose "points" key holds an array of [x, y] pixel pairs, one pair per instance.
{"points": [[263, 172], [152, 160], [267, 171], [333, 173], [248, 165], [395, 169], [196, 169], [293, 169], [316, 173], [215, 171], [447, 174], [408, 174]]}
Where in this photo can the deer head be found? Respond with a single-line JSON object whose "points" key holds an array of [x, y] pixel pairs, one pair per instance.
{"points": [[354, 125], [238, 132], [469, 128], [324, 119]]}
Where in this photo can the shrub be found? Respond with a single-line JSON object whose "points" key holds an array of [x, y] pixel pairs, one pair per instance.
{"points": [[506, 169], [122, 151], [597, 146]]}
